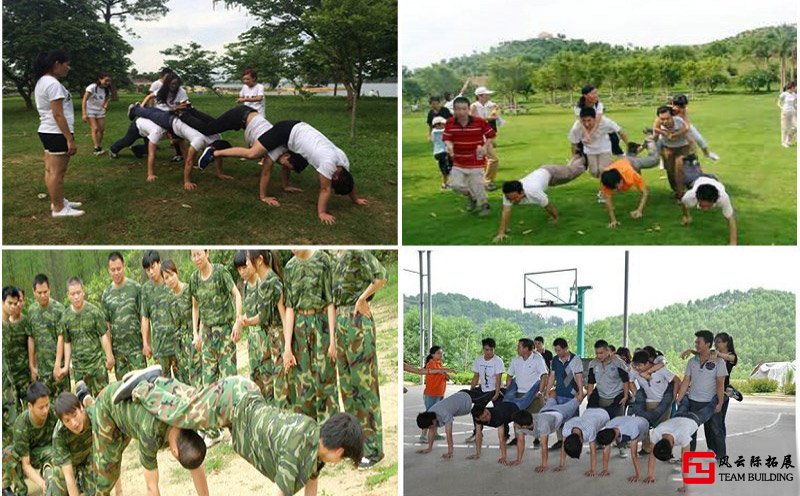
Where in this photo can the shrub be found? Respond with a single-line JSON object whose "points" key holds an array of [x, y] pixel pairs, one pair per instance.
{"points": [[763, 385], [789, 388], [461, 377], [743, 385]]}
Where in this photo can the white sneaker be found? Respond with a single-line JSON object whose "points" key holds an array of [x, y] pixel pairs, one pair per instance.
{"points": [[713, 156], [211, 441], [67, 203], [600, 197], [98, 152], [68, 211]]}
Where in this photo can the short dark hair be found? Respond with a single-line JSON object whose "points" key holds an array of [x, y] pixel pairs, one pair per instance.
{"points": [[612, 348], [706, 336], [74, 280], [191, 449], [460, 99], [425, 419], [434, 99], [610, 178], [297, 161], [169, 266], [150, 258], [115, 255], [343, 185], [560, 342], [477, 411], [606, 437], [600, 343], [35, 391], [681, 100], [588, 112], [488, 342], [67, 402], [527, 343], [10, 292], [40, 279], [587, 89], [662, 450], [641, 356], [522, 417], [512, 187], [707, 192], [651, 351], [539, 339], [240, 258], [664, 108], [165, 71], [573, 446], [343, 431], [250, 72]]}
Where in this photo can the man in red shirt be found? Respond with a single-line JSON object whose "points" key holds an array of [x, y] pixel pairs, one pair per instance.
{"points": [[467, 139]]}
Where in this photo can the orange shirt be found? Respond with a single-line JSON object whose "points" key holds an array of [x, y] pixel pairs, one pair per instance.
{"points": [[630, 178], [435, 384]]}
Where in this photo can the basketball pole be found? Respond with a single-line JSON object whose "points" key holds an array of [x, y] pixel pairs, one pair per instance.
{"points": [[579, 308], [625, 309], [430, 304], [421, 316]]}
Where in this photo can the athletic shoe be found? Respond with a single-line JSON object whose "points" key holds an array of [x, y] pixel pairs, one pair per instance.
{"points": [[126, 390], [600, 197], [785, 145], [470, 439], [491, 187], [176, 158], [68, 211], [513, 442], [444, 187], [733, 393], [470, 205], [556, 446], [81, 391], [438, 437], [206, 158], [366, 463], [536, 442], [622, 452], [98, 152], [713, 156], [423, 438], [113, 155], [485, 211], [67, 203], [132, 106], [211, 441]]}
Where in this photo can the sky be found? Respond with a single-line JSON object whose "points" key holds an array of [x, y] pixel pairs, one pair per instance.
{"points": [[657, 276], [465, 26], [212, 26]]}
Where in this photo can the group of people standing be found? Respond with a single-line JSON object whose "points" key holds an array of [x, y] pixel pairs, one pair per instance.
{"points": [[308, 320], [291, 143], [633, 401]]}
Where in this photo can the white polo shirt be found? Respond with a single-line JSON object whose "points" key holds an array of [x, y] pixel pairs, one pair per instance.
{"points": [[527, 372], [629, 425], [97, 98], [533, 186], [600, 143], [320, 152], [723, 202], [590, 423]]}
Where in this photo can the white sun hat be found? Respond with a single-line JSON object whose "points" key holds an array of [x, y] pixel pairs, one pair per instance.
{"points": [[483, 90]]}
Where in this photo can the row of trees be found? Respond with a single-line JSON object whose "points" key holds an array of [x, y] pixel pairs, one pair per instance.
{"points": [[755, 60], [762, 323]]}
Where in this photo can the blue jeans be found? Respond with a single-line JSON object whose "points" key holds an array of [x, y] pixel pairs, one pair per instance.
{"points": [[131, 136], [524, 401], [698, 411], [160, 117], [431, 400], [564, 399], [639, 407], [716, 431]]}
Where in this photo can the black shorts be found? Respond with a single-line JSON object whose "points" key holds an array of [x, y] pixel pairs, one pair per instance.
{"points": [[54, 144], [278, 135], [445, 162]]}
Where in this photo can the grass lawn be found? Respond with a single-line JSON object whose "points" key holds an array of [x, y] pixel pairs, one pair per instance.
{"points": [[759, 175], [122, 208]]}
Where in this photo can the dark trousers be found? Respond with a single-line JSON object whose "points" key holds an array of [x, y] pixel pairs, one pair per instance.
{"points": [[160, 117], [614, 409], [716, 431], [639, 407], [232, 120], [445, 162], [130, 138], [701, 412], [480, 398]]}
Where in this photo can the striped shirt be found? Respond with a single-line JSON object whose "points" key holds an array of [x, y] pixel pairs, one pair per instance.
{"points": [[466, 140]]}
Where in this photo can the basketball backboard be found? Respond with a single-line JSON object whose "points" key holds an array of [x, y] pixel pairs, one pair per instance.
{"points": [[551, 288]]}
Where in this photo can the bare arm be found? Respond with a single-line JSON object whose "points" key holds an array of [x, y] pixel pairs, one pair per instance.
{"points": [[733, 235], [33, 474], [720, 394], [606, 457], [83, 106], [505, 219], [57, 107], [151, 480], [67, 357], [149, 98], [449, 147], [651, 469], [612, 218], [32, 359], [288, 333], [448, 429], [684, 387], [642, 201], [331, 310], [579, 383], [69, 478], [200, 482], [322, 201], [592, 460], [501, 435], [476, 378], [151, 160], [105, 341], [637, 469], [188, 164]]}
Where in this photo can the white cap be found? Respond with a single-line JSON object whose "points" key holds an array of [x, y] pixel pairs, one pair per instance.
{"points": [[482, 90], [439, 120]]}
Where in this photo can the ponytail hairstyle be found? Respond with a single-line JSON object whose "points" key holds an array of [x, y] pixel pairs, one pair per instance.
{"points": [[100, 77], [165, 95], [45, 61], [727, 339], [270, 257], [431, 352]]}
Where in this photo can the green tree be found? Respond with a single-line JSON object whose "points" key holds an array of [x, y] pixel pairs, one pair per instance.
{"points": [[546, 79], [412, 90], [31, 27], [254, 50], [140, 10], [196, 66], [438, 79], [511, 77]]}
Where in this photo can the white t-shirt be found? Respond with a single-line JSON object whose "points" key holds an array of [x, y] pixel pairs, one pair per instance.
{"points": [[257, 126], [723, 202], [654, 388], [320, 152], [157, 84], [482, 110], [527, 372], [150, 130], [488, 370], [681, 429], [598, 109], [533, 186], [592, 421], [256, 90], [600, 143], [633, 427], [97, 98], [171, 103], [49, 89], [197, 140], [788, 101]]}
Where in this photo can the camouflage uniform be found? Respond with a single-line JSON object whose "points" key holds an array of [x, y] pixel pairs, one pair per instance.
{"points": [[113, 427], [190, 365], [121, 307], [163, 336], [357, 359], [74, 450], [33, 442], [43, 328], [282, 446], [10, 406], [84, 330], [312, 382], [15, 351], [271, 289], [258, 349]]}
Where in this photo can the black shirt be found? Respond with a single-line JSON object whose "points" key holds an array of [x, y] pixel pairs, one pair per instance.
{"points": [[278, 135], [501, 414], [443, 112], [548, 358], [730, 366]]}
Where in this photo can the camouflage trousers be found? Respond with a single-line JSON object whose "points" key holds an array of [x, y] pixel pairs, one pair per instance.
{"points": [[280, 387], [258, 351], [219, 356], [169, 365], [312, 382], [108, 445], [125, 362], [95, 380], [179, 405], [21, 388], [55, 387], [357, 362], [84, 477], [190, 363], [41, 459], [11, 409]]}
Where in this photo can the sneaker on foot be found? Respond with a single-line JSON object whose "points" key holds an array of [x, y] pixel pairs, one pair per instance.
{"points": [[491, 187], [98, 151], [713, 156], [113, 155], [470, 439], [622, 452], [206, 158], [176, 158], [366, 463], [68, 211], [81, 390], [556, 446], [126, 390], [132, 106], [600, 197], [67, 203], [444, 187], [211, 441], [438, 437], [733, 393], [485, 211], [423, 438]]}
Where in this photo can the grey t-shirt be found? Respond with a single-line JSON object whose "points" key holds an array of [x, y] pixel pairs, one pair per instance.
{"points": [[704, 378], [631, 426], [592, 421], [453, 406], [608, 377], [683, 140], [553, 415]]}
